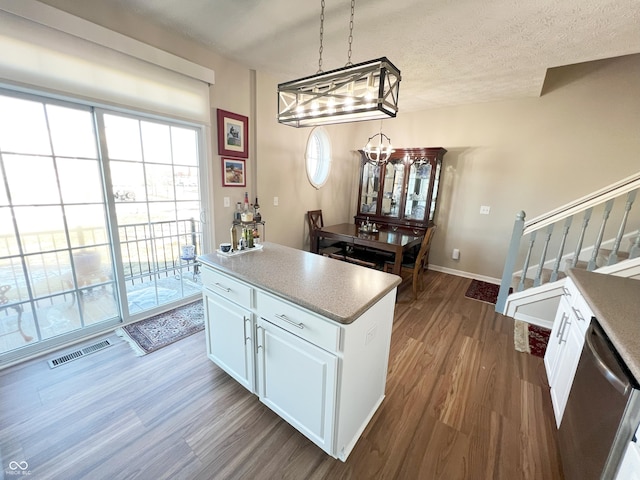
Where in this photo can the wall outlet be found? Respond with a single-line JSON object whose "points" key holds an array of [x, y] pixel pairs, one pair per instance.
{"points": [[485, 209], [371, 334], [227, 202], [456, 254], [276, 201]]}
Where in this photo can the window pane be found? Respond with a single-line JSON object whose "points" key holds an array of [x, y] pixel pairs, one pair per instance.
{"points": [[159, 182], [87, 225], [123, 138], [32, 180], [49, 273], [41, 228], [184, 144], [8, 241], [156, 142], [12, 276], [23, 127], [128, 181], [71, 132], [186, 180], [80, 181]]}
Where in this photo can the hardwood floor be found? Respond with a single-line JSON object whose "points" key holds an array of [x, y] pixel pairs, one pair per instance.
{"points": [[461, 404]]}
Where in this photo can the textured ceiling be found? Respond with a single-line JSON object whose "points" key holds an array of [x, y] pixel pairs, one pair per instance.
{"points": [[448, 51]]}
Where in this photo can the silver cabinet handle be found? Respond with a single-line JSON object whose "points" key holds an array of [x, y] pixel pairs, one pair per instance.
{"points": [[247, 337], [222, 287], [566, 323], [285, 319], [566, 291], [578, 314], [561, 327]]}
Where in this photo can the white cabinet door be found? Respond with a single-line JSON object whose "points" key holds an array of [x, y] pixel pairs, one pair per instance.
{"points": [[297, 380], [230, 338], [566, 369]]}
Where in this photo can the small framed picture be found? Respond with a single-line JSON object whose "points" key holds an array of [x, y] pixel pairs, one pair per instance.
{"points": [[233, 134], [233, 172]]}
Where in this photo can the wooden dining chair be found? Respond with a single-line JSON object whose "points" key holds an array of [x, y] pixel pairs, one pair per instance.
{"points": [[416, 267], [315, 221]]}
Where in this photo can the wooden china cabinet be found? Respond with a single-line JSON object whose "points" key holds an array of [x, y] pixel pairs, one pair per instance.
{"points": [[402, 192]]}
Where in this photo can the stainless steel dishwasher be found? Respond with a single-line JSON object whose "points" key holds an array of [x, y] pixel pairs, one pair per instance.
{"points": [[602, 412]]}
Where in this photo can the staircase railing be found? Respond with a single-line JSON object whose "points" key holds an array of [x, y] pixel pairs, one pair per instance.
{"points": [[547, 236]]}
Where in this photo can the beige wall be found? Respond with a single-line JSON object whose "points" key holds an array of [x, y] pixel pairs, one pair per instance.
{"points": [[530, 154]]}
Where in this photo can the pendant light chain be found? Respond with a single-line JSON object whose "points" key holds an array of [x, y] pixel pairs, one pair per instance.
{"points": [[321, 35], [353, 7]]}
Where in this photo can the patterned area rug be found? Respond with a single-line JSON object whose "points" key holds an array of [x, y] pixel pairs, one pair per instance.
{"points": [[483, 291], [530, 338], [153, 333]]}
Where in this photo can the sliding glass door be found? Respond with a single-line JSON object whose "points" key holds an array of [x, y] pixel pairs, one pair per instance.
{"points": [[99, 220]]}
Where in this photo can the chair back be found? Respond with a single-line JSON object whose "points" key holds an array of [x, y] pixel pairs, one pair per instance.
{"points": [[314, 217], [423, 254]]}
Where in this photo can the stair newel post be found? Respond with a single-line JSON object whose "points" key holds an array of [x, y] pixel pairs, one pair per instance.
{"points": [[634, 251], [585, 224], [507, 272], [596, 246], [538, 280], [556, 265], [613, 256], [525, 267]]}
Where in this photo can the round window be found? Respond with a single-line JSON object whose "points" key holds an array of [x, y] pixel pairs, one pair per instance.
{"points": [[318, 157]]}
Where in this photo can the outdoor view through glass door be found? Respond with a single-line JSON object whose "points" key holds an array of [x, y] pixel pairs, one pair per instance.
{"points": [[99, 220]]}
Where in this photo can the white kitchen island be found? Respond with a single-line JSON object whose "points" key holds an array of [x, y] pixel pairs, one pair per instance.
{"points": [[308, 334]]}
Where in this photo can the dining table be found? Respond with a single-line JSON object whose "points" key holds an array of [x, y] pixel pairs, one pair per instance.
{"points": [[397, 242]]}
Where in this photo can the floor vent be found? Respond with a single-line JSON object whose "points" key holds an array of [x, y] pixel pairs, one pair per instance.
{"points": [[56, 362]]}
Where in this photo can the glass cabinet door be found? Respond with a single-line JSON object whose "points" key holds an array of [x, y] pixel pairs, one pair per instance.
{"points": [[417, 191], [370, 187], [392, 189]]}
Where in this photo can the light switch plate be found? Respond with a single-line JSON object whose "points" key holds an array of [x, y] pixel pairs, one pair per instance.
{"points": [[227, 202], [275, 201]]}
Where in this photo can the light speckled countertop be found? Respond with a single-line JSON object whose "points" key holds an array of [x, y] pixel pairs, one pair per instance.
{"points": [[615, 302], [337, 290]]}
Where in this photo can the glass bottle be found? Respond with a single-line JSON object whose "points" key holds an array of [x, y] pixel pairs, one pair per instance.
{"points": [[246, 201], [256, 208], [237, 215]]}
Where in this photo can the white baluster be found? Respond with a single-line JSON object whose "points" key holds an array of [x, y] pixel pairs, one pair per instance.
{"points": [[556, 265], [635, 249], [538, 280], [613, 256], [596, 247], [532, 240], [585, 223]]}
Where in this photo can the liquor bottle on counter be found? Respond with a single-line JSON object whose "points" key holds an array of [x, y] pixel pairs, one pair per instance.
{"points": [[234, 237], [237, 215], [246, 201], [256, 208]]}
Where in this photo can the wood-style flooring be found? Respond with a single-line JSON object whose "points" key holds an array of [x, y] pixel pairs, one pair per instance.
{"points": [[460, 403]]}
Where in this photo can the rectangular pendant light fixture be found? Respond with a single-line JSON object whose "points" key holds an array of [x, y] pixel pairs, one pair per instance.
{"points": [[364, 91]]}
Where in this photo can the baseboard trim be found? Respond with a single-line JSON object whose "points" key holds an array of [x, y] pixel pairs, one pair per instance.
{"points": [[460, 273]]}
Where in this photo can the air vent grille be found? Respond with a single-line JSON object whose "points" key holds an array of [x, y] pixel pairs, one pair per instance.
{"points": [[68, 357]]}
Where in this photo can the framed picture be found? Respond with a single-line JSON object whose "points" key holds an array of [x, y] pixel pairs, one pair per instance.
{"points": [[233, 172], [233, 134]]}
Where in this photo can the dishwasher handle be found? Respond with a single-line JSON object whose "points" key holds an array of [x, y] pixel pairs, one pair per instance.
{"points": [[621, 385]]}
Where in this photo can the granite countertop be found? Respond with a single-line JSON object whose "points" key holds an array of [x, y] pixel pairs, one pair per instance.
{"points": [[615, 302], [337, 290]]}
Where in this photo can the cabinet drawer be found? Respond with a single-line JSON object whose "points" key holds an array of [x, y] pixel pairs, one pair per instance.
{"points": [[582, 312], [301, 323], [227, 287]]}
